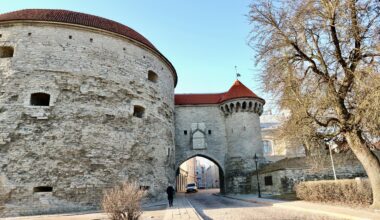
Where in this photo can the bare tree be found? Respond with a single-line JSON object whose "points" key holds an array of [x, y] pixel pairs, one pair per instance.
{"points": [[123, 202], [321, 57]]}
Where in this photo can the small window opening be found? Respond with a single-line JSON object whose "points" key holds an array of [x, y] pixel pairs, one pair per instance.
{"points": [[152, 76], [70, 37], [124, 48], [185, 132], [6, 52], [42, 189], [268, 180], [40, 99], [29, 34], [145, 188], [138, 111], [1, 35], [168, 152], [244, 105], [209, 131], [91, 40]]}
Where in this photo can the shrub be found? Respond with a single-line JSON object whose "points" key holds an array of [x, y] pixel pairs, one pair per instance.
{"points": [[123, 202], [351, 192]]}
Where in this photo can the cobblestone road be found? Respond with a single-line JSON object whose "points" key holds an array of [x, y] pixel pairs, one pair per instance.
{"points": [[221, 208]]}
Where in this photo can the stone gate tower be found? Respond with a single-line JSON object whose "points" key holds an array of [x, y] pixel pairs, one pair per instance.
{"points": [[224, 128], [241, 109]]}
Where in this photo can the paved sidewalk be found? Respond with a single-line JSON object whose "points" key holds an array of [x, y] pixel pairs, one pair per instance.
{"points": [[316, 208], [182, 209]]}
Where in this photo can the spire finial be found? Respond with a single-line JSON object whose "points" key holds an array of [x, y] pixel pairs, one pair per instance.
{"points": [[237, 74]]}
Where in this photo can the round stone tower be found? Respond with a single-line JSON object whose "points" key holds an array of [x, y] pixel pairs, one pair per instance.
{"points": [[242, 109], [85, 103]]}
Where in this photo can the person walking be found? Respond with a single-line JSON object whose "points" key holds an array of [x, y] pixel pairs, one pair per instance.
{"points": [[170, 191]]}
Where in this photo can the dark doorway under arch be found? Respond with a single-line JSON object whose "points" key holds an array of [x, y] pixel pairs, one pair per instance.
{"points": [[220, 180]]}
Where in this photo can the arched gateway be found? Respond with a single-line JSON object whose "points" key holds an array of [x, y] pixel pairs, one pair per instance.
{"points": [[224, 128], [209, 157]]}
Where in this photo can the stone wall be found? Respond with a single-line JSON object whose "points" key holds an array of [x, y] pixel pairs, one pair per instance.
{"points": [[88, 138], [284, 174]]}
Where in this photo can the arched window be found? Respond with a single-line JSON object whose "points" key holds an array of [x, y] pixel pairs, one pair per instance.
{"points": [[40, 99], [232, 107], [244, 106], [138, 111], [268, 148], [238, 106], [6, 52], [152, 76], [250, 106], [227, 108]]}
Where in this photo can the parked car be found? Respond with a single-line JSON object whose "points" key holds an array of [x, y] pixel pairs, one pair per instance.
{"points": [[191, 187]]}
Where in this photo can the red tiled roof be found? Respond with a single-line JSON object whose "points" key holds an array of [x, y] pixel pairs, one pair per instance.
{"points": [[77, 18], [237, 90], [188, 99]]}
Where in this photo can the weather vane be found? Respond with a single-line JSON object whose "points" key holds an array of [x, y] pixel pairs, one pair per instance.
{"points": [[237, 74]]}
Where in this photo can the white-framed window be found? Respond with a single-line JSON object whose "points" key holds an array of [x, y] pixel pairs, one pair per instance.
{"points": [[268, 148]]}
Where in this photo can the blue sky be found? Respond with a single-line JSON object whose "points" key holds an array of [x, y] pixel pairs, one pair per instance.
{"points": [[204, 39]]}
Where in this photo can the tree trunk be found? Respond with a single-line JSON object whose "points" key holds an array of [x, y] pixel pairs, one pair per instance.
{"points": [[369, 161]]}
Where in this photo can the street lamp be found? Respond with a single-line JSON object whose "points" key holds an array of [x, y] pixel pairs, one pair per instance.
{"points": [[257, 174]]}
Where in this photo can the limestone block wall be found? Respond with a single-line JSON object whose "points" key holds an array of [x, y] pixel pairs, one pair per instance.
{"points": [[88, 138], [284, 178]]}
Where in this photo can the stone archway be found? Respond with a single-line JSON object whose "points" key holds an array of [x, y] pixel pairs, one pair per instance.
{"points": [[215, 161]]}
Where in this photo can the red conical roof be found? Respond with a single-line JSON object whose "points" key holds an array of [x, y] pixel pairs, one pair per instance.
{"points": [[237, 90]]}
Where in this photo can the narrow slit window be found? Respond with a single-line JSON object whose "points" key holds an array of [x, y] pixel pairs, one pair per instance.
{"points": [[40, 99], [42, 189], [6, 52], [152, 76], [209, 132], [185, 132], [138, 111]]}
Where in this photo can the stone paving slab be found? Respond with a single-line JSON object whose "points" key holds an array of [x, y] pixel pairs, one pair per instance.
{"points": [[182, 209], [315, 208]]}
